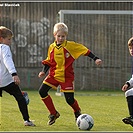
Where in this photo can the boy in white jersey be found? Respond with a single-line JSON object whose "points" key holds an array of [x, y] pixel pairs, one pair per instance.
{"points": [[128, 89], [9, 79]]}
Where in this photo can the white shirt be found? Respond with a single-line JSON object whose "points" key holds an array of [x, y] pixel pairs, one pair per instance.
{"points": [[131, 81], [7, 66]]}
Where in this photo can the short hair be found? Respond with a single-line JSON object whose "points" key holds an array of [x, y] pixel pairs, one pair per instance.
{"points": [[5, 32], [60, 27]]}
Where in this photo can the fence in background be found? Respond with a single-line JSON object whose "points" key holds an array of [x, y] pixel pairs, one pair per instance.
{"points": [[105, 34]]}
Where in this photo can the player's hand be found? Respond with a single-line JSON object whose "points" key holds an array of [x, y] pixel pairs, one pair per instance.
{"points": [[16, 79], [41, 74], [125, 87], [98, 62]]}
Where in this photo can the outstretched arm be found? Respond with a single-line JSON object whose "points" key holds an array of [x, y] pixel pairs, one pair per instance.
{"points": [[97, 60]]}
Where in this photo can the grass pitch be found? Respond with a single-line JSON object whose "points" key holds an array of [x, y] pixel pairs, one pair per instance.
{"points": [[106, 108]]}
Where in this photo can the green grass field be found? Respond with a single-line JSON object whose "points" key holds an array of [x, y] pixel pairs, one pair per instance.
{"points": [[106, 108]]}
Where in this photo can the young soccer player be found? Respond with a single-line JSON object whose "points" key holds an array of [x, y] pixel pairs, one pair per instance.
{"points": [[61, 55], [128, 89], [9, 79]]}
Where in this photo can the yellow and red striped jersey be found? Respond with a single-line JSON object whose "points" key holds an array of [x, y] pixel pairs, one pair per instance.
{"points": [[60, 59]]}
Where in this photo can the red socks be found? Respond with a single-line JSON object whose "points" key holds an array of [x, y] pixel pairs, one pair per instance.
{"points": [[49, 104]]}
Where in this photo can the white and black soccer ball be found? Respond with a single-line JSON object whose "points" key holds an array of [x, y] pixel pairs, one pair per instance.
{"points": [[25, 95], [85, 122]]}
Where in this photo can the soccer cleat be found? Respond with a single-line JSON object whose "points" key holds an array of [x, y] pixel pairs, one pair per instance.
{"points": [[29, 123], [77, 114], [52, 118], [128, 120]]}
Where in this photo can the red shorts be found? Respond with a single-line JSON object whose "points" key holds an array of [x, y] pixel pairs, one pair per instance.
{"points": [[67, 86]]}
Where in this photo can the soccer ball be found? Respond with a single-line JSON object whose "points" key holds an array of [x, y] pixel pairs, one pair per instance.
{"points": [[84, 122], [25, 95]]}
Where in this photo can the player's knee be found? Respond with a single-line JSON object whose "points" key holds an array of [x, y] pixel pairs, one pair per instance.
{"points": [[43, 93], [43, 90], [69, 100], [129, 93]]}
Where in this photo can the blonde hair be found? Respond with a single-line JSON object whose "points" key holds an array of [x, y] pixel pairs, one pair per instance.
{"points": [[5, 32], [60, 27], [130, 42]]}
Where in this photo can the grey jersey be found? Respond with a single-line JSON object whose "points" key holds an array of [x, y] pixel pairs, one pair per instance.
{"points": [[7, 66]]}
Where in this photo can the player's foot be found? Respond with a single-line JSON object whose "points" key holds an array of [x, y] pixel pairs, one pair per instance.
{"points": [[29, 123], [77, 114], [128, 120], [52, 118]]}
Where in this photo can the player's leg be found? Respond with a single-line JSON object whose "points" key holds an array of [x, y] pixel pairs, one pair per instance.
{"points": [[69, 97], [43, 91], [129, 98], [14, 90]]}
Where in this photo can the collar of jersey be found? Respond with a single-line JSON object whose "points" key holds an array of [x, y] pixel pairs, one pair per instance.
{"points": [[62, 45]]}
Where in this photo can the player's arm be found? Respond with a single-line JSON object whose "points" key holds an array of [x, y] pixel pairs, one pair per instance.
{"points": [[46, 65], [128, 84], [8, 61], [44, 70], [97, 60], [93, 56]]}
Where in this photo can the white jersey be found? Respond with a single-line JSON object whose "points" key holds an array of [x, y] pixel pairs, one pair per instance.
{"points": [[131, 81], [7, 66]]}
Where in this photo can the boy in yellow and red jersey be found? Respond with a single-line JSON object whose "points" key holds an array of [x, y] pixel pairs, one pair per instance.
{"points": [[59, 62]]}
